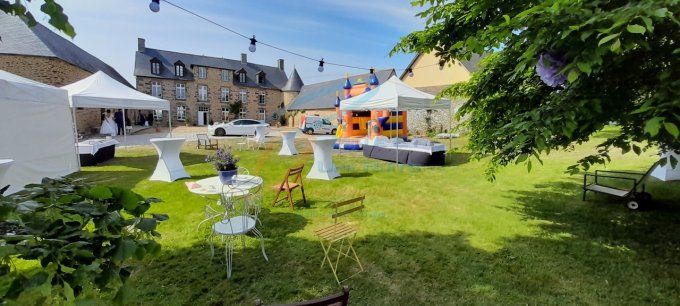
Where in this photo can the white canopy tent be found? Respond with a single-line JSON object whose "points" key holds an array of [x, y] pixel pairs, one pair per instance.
{"points": [[101, 91], [36, 131], [395, 95]]}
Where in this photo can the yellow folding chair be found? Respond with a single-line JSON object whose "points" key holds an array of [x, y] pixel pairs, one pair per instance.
{"points": [[338, 238]]}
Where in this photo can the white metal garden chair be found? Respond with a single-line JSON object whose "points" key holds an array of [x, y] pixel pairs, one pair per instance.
{"points": [[237, 215]]}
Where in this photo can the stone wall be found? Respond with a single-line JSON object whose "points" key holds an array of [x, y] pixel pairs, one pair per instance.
{"points": [[55, 72], [273, 97], [420, 121]]}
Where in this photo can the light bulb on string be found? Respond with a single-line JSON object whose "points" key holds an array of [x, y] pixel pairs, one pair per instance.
{"points": [[320, 65], [252, 46], [441, 65], [155, 6], [410, 72]]}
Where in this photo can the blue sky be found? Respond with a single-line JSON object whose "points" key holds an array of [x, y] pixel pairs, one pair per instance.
{"points": [[355, 32]]}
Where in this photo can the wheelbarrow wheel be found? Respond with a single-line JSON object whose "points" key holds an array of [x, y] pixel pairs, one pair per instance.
{"points": [[633, 205]]}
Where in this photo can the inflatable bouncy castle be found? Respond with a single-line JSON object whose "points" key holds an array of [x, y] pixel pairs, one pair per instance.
{"points": [[356, 126]]}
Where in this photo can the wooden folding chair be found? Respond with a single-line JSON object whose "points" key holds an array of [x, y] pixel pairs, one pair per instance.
{"points": [[202, 140], [289, 185], [341, 234]]}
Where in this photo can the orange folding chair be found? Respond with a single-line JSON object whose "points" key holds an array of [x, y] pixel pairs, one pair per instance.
{"points": [[289, 185]]}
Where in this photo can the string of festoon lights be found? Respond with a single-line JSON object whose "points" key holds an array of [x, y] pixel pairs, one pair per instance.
{"points": [[155, 6]]}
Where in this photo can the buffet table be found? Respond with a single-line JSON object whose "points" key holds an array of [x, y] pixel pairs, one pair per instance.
{"points": [[95, 151], [169, 166], [409, 153], [4, 166]]}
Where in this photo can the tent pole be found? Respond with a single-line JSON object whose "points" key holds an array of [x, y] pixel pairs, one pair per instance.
{"points": [[170, 121], [397, 140], [450, 124], [124, 129], [75, 130]]}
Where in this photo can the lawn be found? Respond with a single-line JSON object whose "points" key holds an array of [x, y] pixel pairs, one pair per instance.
{"points": [[436, 236]]}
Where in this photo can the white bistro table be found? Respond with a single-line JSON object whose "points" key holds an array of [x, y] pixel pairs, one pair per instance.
{"points": [[288, 143], [4, 166], [242, 184], [169, 167], [323, 167]]}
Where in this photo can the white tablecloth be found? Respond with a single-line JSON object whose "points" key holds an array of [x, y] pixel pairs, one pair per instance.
{"points": [[91, 146], [260, 133], [288, 143], [211, 186], [323, 167], [4, 166], [169, 166]]}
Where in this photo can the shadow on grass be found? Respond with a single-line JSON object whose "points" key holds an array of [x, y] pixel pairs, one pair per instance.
{"points": [[457, 158], [412, 268]]}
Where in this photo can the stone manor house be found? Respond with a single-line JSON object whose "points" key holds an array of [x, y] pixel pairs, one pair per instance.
{"points": [[202, 89]]}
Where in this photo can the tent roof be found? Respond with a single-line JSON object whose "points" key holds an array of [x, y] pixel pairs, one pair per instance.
{"points": [[101, 91], [394, 94], [16, 88]]}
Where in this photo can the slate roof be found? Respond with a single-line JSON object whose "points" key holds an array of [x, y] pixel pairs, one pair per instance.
{"points": [[19, 39], [294, 82], [471, 65], [275, 77], [322, 95]]}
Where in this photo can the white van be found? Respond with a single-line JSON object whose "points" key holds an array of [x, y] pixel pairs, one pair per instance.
{"points": [[315, 124]]}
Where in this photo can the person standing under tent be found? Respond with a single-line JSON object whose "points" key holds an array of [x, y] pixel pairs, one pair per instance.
{"points": [[108, 125], [149, 118], [118, 118]]}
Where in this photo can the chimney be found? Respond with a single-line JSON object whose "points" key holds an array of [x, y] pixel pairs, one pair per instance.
{"points": [[280, 64], [141, 45], [244, 58]]}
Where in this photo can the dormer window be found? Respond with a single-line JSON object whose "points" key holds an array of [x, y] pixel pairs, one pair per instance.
{"points": [[241, 74], [260, 77], [179, 69], [155, 66]]}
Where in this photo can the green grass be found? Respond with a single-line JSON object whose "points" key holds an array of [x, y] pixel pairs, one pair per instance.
{"points": [[440, 235]]}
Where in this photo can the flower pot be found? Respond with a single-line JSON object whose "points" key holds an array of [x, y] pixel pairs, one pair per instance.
{"points": [[226, 177]]}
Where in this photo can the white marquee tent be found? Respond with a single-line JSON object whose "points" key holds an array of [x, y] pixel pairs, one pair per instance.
{"points": [[36, 131], [101, 91]]}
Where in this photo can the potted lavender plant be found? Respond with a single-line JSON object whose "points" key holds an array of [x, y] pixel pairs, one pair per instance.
{"points": [[225, 164]]}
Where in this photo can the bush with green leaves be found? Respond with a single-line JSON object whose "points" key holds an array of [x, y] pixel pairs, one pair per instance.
{"points": [[51, 8], [82, 238], [614, 61]]}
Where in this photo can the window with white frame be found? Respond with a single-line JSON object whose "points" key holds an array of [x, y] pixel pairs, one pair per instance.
{"points": [[261, 114], [243, 112], [225, 75], [181, 113], [155, 67], [202, 72], [260, 78], [180, 91], [242, 77], [156, 89], [202, 93], [243, 96], [224, 95], [158, 114], [225, 114], [262, 98], [179, 69]]}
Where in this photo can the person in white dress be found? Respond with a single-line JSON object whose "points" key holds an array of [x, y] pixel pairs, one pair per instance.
{"points": [[109, 126]]}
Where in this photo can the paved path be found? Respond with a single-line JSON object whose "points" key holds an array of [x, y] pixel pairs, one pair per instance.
{"points": [[190, 135]]}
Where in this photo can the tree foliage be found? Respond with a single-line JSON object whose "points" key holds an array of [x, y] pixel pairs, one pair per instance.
{"points": [[58, 19], [621, 63], [80, 236]]}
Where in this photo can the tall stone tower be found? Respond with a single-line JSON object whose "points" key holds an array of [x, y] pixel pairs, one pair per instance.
{"points": [[291, 90]]}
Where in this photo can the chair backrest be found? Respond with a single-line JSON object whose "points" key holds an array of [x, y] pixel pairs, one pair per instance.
{"points": [[296, 173], [347, 207], [338, 299], [202, 138]]}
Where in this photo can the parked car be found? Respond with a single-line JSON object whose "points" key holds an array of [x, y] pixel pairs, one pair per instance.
{"points": [[238, 127], [315, 124]]}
